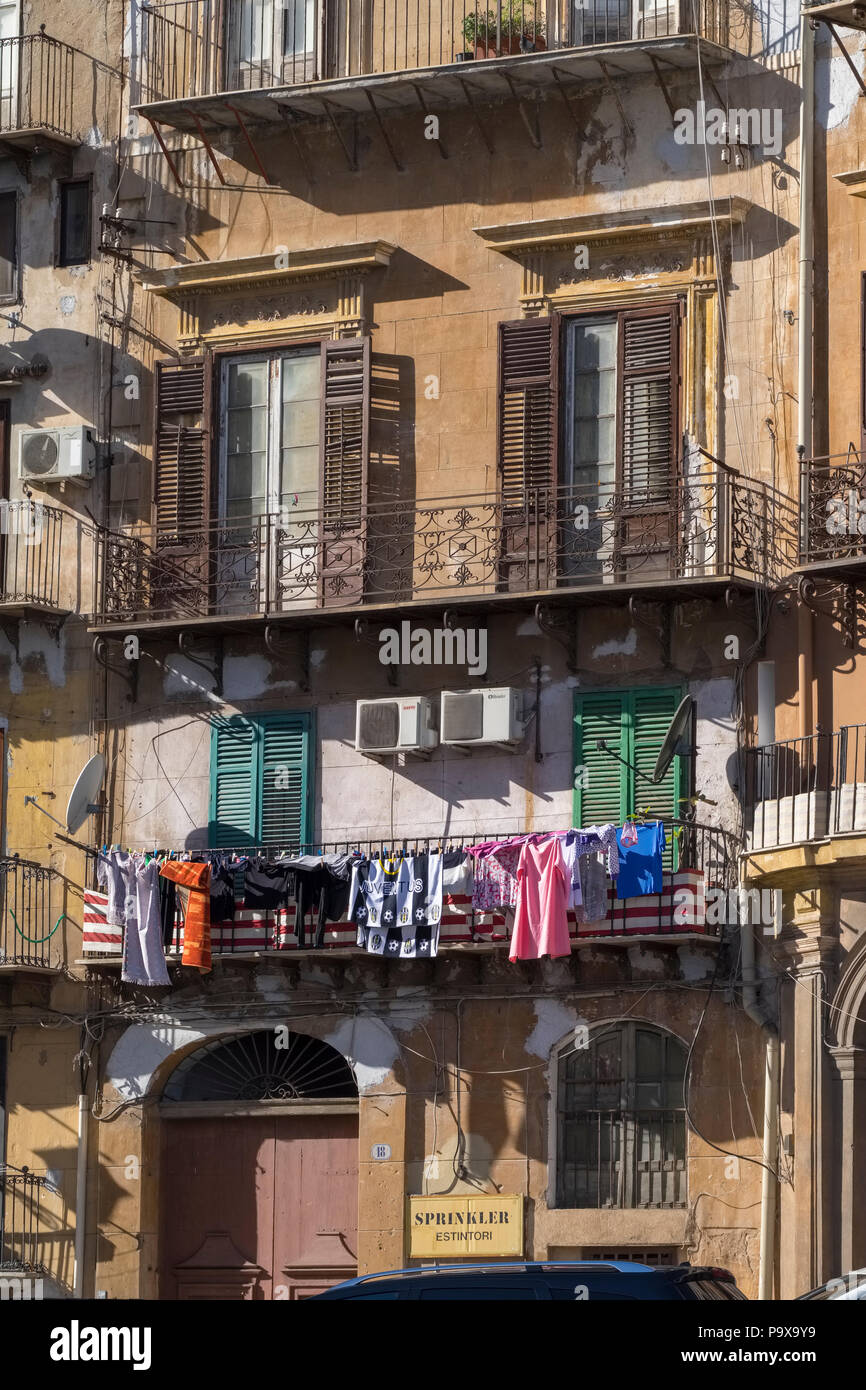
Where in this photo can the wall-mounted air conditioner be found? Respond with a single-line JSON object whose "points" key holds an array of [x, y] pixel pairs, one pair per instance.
{"points": [[399, 725], [64, 454], [481, 716]]}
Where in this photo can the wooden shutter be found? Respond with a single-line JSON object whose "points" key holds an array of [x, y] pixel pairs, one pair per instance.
{"points": [[652, 712], [232, 818], [261, 771], [345, 453], [285, 741], [862, 367], [648, 403], [633, 723], [527, 447], [601, 784], [181, 454]]}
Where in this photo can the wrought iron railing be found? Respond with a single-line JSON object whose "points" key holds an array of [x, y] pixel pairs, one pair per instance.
{"points": [[37, 85], [698, 890], [32, 560], [712, 526], [31, 916], [622, 1158], [200, 47], [20, 1220], [802, 789], [834, 508]]}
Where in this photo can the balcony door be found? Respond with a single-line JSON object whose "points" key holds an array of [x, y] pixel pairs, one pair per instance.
{"points": [[269, 479], [9, 60], [271, 42]]}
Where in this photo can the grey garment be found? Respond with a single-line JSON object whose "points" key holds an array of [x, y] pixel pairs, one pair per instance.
{"points": [[339, 864], [143, 950], [593, 888], [110, 876], [458, 873]]}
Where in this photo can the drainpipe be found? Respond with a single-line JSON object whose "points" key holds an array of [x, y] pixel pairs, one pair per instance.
{"points": [[806, 260], [81, 1175], [759, 1013]]}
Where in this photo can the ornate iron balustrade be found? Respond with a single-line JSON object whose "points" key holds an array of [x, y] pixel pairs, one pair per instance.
{"points": [[32, 558], [30, 916], [37, 86], [545, 540], [20, 1220], [834, 508], [204, 47]]}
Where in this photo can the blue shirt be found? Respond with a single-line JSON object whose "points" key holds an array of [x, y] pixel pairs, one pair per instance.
{"points": [[640, 865]]}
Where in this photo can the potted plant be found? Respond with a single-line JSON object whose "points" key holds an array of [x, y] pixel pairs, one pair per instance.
{"points": [[522, 26], [479, 31]]}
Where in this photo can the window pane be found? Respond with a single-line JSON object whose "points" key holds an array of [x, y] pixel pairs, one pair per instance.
{"points": [[75, 222], [302, 378], [248, 383], [8, 243]]}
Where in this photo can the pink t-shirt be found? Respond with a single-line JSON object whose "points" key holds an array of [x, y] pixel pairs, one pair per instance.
{"points": [[540, 923]]}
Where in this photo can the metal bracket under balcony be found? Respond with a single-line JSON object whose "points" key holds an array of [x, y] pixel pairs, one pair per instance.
{"points": [[523, 76]]}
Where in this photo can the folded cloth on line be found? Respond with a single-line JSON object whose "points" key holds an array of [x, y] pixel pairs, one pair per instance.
{"points": [[193, 881]]}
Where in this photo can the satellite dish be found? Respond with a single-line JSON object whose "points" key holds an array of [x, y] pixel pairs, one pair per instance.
{"points": [[84, 793], [673, 742]]}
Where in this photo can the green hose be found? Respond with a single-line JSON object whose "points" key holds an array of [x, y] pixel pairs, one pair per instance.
{"points": [[36, 940]]}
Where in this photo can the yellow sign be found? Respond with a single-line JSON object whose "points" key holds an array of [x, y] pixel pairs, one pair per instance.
{"points": [[453, 1227]]}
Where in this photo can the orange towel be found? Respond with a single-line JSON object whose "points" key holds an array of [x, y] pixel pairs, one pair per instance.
{"points": [[193, 882]]}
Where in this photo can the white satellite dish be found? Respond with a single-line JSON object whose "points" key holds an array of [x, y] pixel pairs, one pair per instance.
{"points": [[82, 801]]}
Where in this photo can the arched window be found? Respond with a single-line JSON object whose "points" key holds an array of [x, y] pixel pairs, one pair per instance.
{"points": [[255, 1067], [621, 1120]]}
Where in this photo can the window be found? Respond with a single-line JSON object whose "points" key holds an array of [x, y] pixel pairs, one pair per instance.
{"points": [[253, 1067], [621, 1123], [270, 433], [632, 725], [75, 222], [270, 41], [261, 780], [8, 246]]}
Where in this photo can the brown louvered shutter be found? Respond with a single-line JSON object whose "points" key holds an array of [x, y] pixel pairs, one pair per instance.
{"points": [[345, 453], [182, 484], [649, 443], [648, 375], [528, 436]]}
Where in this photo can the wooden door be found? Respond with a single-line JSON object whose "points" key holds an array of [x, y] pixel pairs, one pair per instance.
{"points": [[258, 1208]]}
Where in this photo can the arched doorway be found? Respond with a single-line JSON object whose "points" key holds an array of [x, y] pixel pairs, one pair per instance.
{"points": [[258, 1169]]}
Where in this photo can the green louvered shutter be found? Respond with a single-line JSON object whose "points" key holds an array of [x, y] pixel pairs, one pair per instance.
{"points": [[233, 748], [284, 781], [652, 712], [601, 784]]}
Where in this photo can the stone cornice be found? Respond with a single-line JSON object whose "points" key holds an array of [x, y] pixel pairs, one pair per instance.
{"points": [[251, 273], [668, 223]]}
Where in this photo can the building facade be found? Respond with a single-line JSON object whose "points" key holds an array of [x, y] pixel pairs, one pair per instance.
{"points": [[374, 357]]}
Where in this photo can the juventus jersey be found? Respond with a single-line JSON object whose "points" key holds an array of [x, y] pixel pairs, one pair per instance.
{"points": [[396, 905]]}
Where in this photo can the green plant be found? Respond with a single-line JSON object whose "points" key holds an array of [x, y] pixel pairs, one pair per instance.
{"points": [[478, 26], [521, 18]]}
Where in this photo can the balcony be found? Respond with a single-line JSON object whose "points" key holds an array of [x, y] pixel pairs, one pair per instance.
{"points": [[37, 86], [686, 539], [833, 490], [700, 873], [806, 789], [20, 1221], [30, 917], [37, 561], [323, 54]]}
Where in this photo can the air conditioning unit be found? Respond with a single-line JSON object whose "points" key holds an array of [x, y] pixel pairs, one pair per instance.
{"points": [[405, 725], [64, 454], [481, 716]]}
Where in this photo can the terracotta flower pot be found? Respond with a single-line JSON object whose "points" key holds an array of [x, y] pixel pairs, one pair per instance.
{"points": [[485, 49]]}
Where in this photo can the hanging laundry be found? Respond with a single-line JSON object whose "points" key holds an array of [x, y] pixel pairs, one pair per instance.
{"points": [[110, 876], [396, 905], [321, 885], [132, 883], [541, 921], [640, 865], [458, 873], [168, 911], [222, 889], [495, 883], [267, 885], [193, 882]]}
